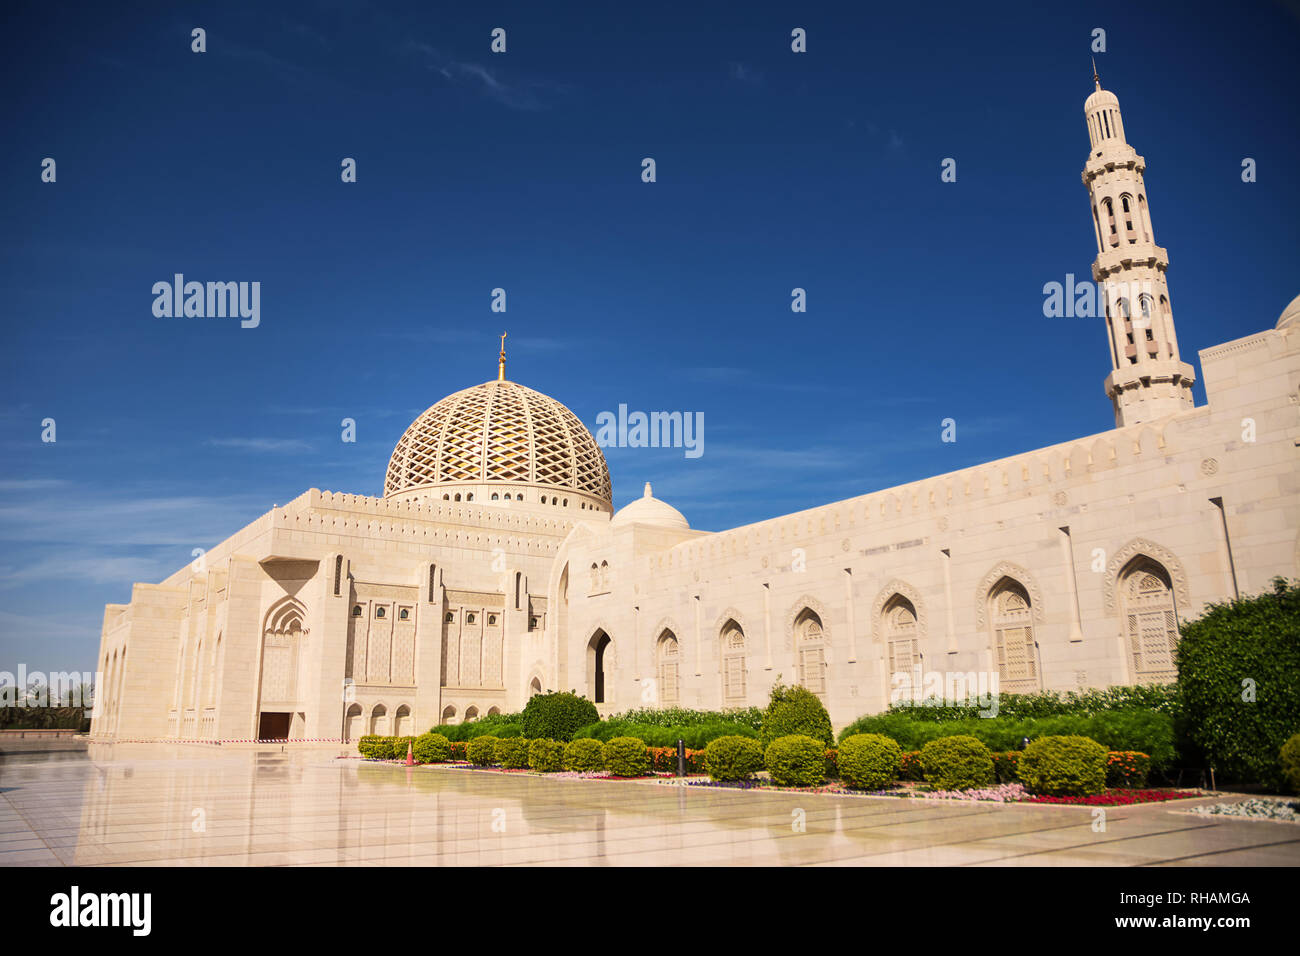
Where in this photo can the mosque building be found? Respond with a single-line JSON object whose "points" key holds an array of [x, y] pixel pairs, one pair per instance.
{"points": [[494, 566]]}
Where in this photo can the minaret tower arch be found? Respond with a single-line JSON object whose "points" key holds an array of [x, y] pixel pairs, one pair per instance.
{"points": [[1148, 380]]}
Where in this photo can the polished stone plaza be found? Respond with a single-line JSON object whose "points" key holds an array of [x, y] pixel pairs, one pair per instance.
{"points": [[191, 805]]}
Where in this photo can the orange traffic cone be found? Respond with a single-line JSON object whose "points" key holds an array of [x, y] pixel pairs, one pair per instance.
{"points": [[410, 753]]}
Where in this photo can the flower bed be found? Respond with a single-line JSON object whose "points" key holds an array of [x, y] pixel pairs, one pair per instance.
{"points": [[1121, 798], [1003, 793], [1254, 809]]}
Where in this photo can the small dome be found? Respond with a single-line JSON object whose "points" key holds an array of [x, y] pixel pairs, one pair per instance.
{"points": [[1290, 317], [650, 510], [1100, 98]]}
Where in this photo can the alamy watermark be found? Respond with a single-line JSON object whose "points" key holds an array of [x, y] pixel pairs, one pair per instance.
{"points": [[210, 300], [651, 430], [55, 689], [1087, 299], [977, 689]]}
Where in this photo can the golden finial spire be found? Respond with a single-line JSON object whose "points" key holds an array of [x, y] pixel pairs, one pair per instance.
{"points": [[1096, 78], [501, 362]]}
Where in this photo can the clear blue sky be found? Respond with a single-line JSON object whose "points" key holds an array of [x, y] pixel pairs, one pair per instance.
{"points": [[522, 171]]}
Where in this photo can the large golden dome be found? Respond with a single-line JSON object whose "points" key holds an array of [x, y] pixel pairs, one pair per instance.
{"points": [[498, 438]]}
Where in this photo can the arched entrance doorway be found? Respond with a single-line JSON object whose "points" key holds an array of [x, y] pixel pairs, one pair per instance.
{"points": [[599, 661]]}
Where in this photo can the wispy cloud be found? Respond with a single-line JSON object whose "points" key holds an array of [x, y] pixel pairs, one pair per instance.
{"points": [[262, 444], [517, 93]]}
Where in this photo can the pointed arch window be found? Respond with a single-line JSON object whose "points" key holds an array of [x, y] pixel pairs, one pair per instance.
{"points": [[902, 636], [1150, 620], [1126, 206], [734, 665], [1014, 649], [668, 653], [810, 650], [1111, 231]]}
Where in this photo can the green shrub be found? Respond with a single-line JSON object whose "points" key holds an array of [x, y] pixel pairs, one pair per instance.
{"points": [[546, 756], [796, 760], [869, 761], [794, 711], [626, 757], [498, 725], [401, 745], [1006, 766], [376, 748], [696, 737], [1149, 732], [512, 752], [1289, 758], [957, 763], [1255, 639], [733, 758], [1162, 698], [557, 716], [432, 748], [1064, 767], [482, 751], [584, 755], [832, 763], [910, 769], [680, 717], [1127, 768]]}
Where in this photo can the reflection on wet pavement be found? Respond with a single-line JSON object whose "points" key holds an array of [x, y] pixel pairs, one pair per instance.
{"points": [[187, 805]]}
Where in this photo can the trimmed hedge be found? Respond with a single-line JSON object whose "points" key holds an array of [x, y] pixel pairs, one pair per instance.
{"points": [[1162, 698], [733, 758], [696, 737], [1064, 767], [546, 756], [796, 711], [432, 748], [626, 757], [482, 751], [869, 761], [1237, 668], [512, 752], [680, 717], [557, 716], [1149, 732], [584, 755], [796, 760], [498, 725], [957, 763]]}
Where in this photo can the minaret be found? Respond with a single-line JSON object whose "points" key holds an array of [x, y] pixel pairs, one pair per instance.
{"points": [[1148, 380]]}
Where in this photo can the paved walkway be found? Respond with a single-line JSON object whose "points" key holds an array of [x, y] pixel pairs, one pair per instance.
{"points": [[189, 805]]}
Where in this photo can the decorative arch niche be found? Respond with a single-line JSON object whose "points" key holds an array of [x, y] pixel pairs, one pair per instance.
{"points": [[810, 640], [1163, 556], [284, 638], [884, 596]]}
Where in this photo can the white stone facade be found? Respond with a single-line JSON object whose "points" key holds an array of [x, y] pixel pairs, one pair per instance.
{"points": [[493, 567]]}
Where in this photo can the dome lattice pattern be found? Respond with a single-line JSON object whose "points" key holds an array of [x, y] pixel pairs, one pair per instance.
{"points": [[498, 431]]}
